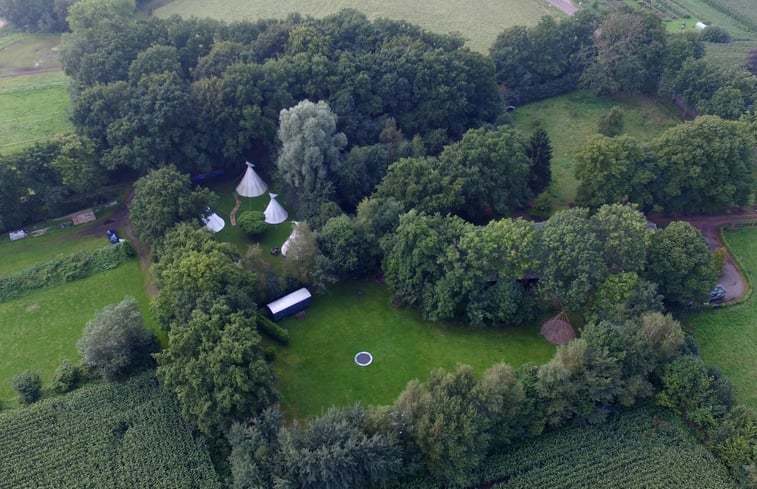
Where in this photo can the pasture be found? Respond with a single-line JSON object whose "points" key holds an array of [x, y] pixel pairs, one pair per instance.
{"points": [[317, 369], [571, 118], [728, 337], [40, 330], [479, 21], [33, 109], [38, 249], [122, 435]]}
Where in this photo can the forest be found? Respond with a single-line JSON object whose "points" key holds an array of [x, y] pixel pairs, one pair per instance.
{"points": [[395, 150]]}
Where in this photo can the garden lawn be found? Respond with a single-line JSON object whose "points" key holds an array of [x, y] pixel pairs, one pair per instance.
{"points": [[570, 119], [317, 369], [728, 337], [24, 253], [479, 21], [33, 109], [40, 330]]}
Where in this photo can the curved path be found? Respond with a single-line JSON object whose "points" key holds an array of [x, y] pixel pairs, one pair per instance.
{"points": [[709, 226], [233, 215]]}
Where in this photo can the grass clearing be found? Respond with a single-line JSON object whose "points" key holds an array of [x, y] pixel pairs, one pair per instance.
{"points": [[571, 118], [33, 109], [728, 337], [479, 21], [24, 253], [40, 330], [317, 369], [116, 436], [24, 52]]}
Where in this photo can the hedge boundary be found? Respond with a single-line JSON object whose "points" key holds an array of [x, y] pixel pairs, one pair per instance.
{"points": [[65, 269]]}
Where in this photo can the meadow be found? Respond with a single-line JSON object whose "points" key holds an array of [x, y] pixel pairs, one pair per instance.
{"points": [[117, 436], [317, 369], [570, 119], [479, 21], [40, 330], [727, 337]]}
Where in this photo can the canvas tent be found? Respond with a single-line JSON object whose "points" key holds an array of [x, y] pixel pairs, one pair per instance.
{"points": [[558, 330], [289, 304], [290, 239], [251, 185], [214, 222], [274, 213]]}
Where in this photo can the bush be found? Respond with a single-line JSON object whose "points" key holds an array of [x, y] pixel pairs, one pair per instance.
{"points": [[252, 222], [28, 386], [715, 34], [66, 377], [269, 353], [116, 341], [719, 259], [273, 330]]}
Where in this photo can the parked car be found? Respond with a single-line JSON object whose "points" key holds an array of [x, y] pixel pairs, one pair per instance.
{"points": [[718, 293]]}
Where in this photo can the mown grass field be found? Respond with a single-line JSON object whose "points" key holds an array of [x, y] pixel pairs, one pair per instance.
{"points": [[40, 330], [117, 436], [571, 118], [479, 21], [24, 253], [728, 337], [317, 369], [32, 108], [23, 52]]}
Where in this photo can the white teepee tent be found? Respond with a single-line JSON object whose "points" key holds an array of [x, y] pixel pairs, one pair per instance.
{"points": [[290, 239], [274, 213], [214, 222], [251, 185]]}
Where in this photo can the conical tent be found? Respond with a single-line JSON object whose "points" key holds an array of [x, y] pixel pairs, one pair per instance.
{"points": [[274, 213], [558, 330], [214, 222], [290, 239], [251, 185]]}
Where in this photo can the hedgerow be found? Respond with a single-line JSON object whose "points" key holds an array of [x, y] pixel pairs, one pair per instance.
{"points": [[120, 435], [64, 269]]}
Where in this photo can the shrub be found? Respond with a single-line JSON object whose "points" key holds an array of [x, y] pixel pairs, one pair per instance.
{"points": [[252, 222], [66, 377], [719, 258], [28, 386], [715, 34], [273, 330], [269, 353]]}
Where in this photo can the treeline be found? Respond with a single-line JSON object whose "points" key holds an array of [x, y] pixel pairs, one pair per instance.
{"points": [[439, 433]]}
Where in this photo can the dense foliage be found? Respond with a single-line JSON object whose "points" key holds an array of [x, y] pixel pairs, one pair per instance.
{"points": [[120, 435]]}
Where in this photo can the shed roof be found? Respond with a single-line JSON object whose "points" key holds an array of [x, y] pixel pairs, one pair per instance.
{"points": [[289, 300]]}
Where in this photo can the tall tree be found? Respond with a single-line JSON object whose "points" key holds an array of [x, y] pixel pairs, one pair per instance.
{"points": [[539, 153]]}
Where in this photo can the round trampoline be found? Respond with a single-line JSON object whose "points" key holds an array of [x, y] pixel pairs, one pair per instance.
{"points": [[363, 359]]}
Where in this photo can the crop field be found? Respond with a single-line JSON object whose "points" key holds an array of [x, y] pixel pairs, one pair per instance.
{"points": [[116, 436], [33, 108], [40, 330], [640, 448], [571, 118], [479, 21], [317, 369], [728, 337]]}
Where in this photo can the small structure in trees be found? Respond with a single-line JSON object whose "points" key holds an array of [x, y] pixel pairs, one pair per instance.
{"points": [[290, 239], [274, 213], [214, 222], [290, 304], [251, 185], [558, 329]]}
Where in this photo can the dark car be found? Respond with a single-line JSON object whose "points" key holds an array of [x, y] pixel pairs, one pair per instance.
{"points": [[112, 236], [718, 293]]}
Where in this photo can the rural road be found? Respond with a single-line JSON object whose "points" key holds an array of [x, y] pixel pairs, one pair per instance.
{"points": [[565, 6]]}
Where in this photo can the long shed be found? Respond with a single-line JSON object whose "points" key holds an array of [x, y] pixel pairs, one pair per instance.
{"points": [[289, 304]]}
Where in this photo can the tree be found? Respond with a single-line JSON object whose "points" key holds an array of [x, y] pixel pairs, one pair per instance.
{"points": [[163, 198], [750, 63], [66, 377], [539, 153], [252, 222], [680, 263], [611, 124], [301, 259], [215, 366], [612, 170], [345, 252], [705, 165], [36, 15], [421, 184], [28, 386], [623, 234], [310, 149], [630, 47], [116, 341], [573, 265]]}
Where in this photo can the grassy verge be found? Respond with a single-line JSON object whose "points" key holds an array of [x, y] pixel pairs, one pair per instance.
{"points": [[33, 109], [317, 369], [480, 21], [40, 330], [727, 337], [571, 118]]}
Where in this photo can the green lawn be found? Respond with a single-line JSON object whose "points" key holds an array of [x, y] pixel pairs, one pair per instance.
{"points": [[317, 369], [480, 21], [24, 253], [33, 109], [40, 330], [728, 337], [23, 52], [571, 118]]}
